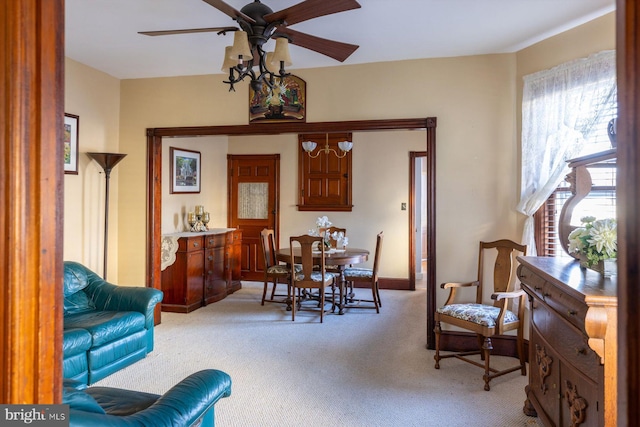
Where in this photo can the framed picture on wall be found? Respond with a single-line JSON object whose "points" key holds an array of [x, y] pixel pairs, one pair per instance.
{"points": [[70, 141], [185, 170]]}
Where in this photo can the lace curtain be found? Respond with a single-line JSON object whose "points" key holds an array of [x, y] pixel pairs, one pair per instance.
{"points": [[557, 107]]}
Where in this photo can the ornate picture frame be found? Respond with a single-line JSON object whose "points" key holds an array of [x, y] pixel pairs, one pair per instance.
{"points": [[70, 143], [185, 170], [286, 102]]}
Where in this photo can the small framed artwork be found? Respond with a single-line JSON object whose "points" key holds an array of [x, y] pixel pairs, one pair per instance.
{"points": [[70, 136], [185, 170], [285, 102]]}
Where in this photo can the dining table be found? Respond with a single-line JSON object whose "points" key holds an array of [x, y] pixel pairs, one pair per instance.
{"points": [[341, 258]]}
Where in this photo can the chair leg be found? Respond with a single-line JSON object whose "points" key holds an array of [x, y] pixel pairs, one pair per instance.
{"points": [[264, 291], [378, 294], [486, 351], [321, 304], [437, 330], [375, 296], [273, 290], [293, 303], [480, 339]]}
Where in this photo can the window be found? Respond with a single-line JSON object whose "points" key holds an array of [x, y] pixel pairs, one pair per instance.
{"points": [[601, 202], [324, 180]]}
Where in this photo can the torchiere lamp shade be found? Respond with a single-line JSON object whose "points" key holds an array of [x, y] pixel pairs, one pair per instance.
{"points": [[107, 160]]}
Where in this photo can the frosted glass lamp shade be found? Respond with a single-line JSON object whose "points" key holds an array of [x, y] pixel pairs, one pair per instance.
{"points": [[240, 47], [281, 53], [309, 146], [345, 145]]}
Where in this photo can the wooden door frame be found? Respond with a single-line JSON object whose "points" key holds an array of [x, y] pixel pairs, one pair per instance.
{"points": [[154, 179], [431, 232]]}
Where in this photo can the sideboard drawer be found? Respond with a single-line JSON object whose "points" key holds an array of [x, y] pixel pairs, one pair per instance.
{"points": [[569, 308], [190, 244]]}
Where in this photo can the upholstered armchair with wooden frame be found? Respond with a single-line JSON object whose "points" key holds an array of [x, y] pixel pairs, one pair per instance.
{"points": [[487, 320], [307, 277], [368, 275], [274, 272]]}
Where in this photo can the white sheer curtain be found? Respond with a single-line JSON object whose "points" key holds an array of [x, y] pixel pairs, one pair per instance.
{"points": [[555, 104]]}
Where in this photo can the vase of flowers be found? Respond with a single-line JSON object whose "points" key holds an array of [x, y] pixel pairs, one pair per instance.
{"points": [[596, 244]]}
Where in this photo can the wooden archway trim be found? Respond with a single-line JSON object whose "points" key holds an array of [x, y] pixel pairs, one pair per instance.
{"points": [[154, 177]]}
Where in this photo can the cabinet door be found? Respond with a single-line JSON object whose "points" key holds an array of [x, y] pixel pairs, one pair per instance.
{"points": [[195, 264], [580, 403], [215, 281], [544, 377]]}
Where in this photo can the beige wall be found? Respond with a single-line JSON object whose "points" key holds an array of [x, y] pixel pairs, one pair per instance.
{"points": [[476, 100], [94, 97]]}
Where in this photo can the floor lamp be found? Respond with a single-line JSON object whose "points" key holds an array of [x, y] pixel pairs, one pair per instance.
{"points": [[108, 161]]}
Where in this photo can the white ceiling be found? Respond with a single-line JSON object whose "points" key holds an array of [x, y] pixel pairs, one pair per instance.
{"points": [[103, 33]]}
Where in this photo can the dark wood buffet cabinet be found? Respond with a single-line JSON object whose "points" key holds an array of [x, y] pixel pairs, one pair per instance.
{"points": [[572, 343], [205, 268]]}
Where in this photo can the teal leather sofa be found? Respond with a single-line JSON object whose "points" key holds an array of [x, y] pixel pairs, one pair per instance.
{"points": [[188, 403], [106, 327]]}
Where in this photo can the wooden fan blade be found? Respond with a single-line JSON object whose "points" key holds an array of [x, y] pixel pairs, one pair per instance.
{"points": [[310, 9], [193, 30], [333, 49], [229, 10]]}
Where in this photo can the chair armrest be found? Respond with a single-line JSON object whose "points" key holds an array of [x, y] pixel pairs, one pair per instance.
{"points": [[449, 285], [454, 286], [195, 395], [503, 295]]}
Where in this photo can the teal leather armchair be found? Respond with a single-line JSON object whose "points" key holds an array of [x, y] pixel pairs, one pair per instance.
{"points": [[188, 403]]}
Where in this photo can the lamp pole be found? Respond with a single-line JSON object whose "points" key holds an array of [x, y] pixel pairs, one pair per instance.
{"points": [[107, 161]]}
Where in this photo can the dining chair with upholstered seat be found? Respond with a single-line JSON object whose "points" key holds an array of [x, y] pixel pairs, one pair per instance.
{"points": [[368, 275], [274, 272], [307, 278], [487, 320]]}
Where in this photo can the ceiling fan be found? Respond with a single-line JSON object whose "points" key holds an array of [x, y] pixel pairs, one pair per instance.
{"points": [[258, 24]]}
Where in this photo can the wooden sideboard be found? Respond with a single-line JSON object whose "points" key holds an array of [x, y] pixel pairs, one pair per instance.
{"points": [[199, 268], [572, 343]]}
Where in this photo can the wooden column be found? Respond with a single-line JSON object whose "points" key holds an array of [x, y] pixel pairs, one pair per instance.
{"points": [[31, 200], [628, 124]]}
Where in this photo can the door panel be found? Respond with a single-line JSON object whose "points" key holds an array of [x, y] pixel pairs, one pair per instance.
{"points": [[253, 205]]}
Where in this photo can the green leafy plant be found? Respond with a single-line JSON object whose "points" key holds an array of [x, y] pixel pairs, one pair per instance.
{"points": [[597, 240]]}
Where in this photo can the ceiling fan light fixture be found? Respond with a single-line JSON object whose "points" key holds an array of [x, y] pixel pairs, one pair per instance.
{"points": [[240, 51]]}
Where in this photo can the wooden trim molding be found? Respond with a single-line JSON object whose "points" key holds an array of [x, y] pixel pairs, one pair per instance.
{"points": [[154, 168], [31, 190]]}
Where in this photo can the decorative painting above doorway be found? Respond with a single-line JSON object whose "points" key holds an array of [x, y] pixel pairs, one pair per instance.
{"points": [[285, 102]]}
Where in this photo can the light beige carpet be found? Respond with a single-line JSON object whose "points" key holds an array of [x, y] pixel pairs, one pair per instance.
{"points": [[358, 369]]}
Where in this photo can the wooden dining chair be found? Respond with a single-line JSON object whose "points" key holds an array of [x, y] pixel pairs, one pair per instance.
{"points": [[368, 275], [486, 319], [274, 272], [307, 278]]}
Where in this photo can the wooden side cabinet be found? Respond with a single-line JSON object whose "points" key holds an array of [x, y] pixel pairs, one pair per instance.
{"points": [[203, 269], [572, 340]]}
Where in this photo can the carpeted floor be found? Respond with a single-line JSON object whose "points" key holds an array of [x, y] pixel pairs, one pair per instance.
{"points": [[358, 369]]}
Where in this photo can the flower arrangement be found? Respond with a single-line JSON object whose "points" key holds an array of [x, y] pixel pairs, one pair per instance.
{"points": [[597, 240], [322, 223]]}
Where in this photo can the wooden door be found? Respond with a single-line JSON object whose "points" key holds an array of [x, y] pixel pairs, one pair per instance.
{"points": [[253, 189]]}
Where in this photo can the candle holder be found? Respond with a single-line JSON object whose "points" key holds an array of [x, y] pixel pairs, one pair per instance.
{"points": [[198, 219]]}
